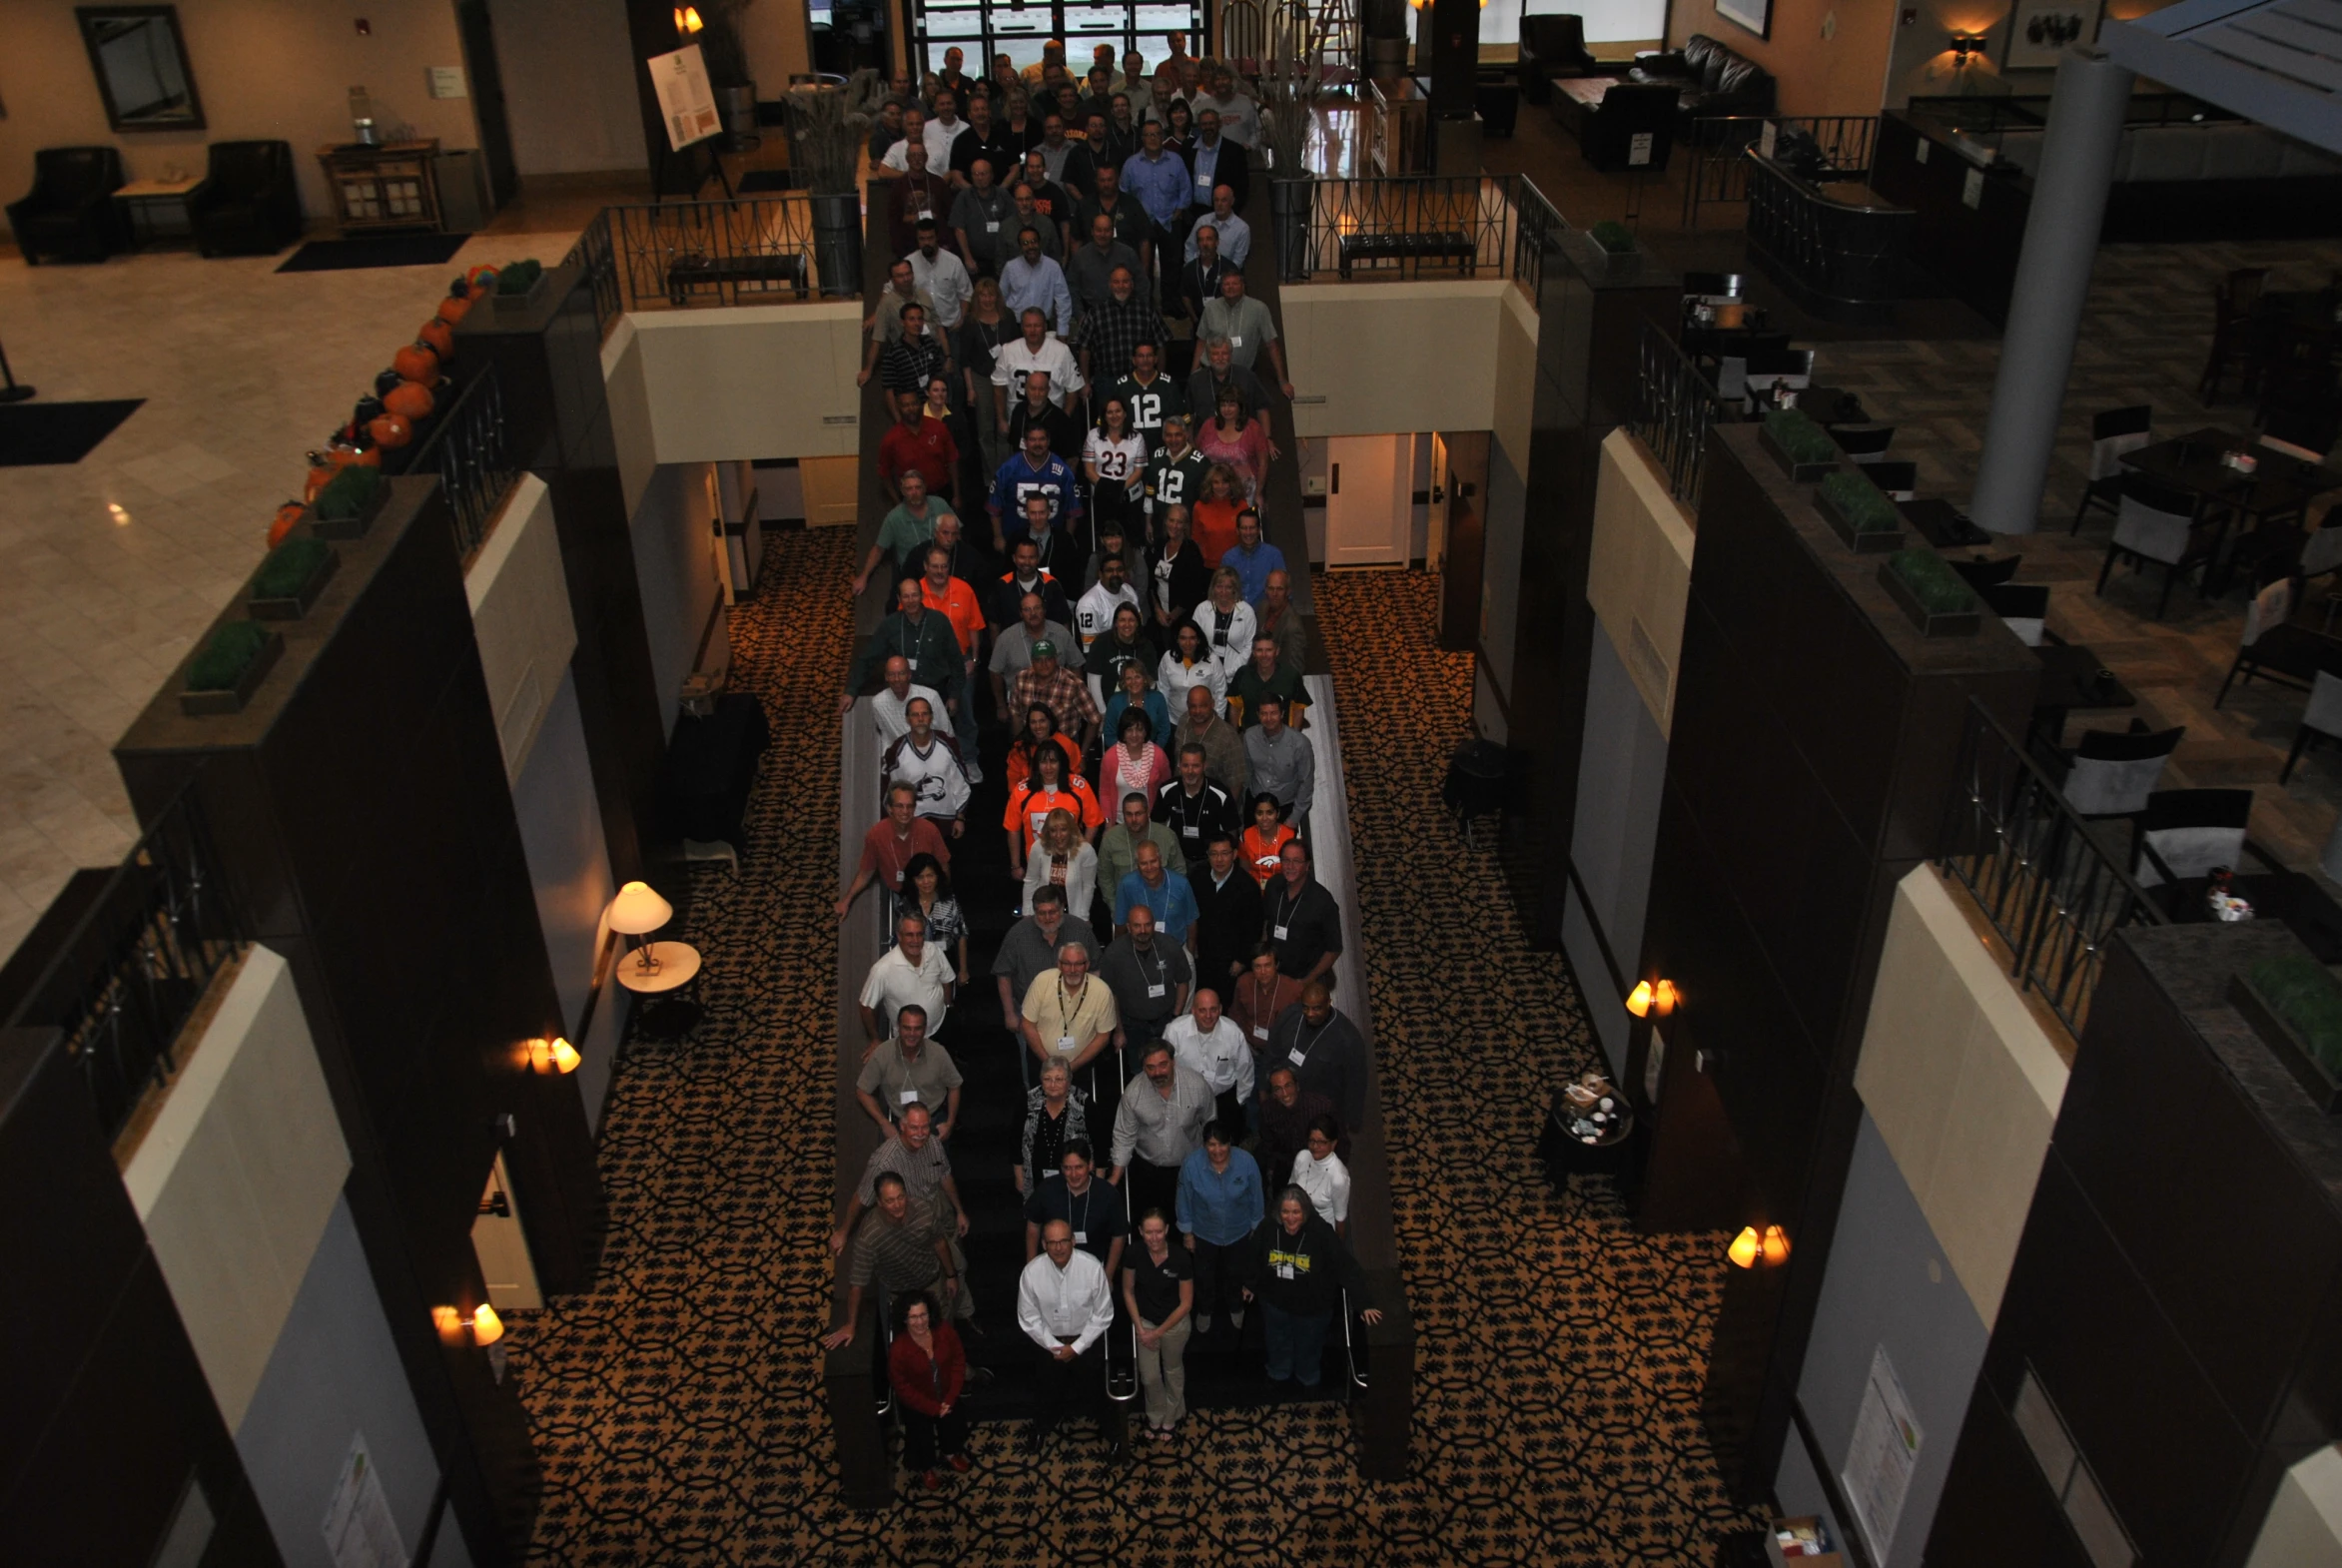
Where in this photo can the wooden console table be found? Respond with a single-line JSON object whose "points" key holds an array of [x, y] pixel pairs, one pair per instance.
{"points": [[393, 186]]}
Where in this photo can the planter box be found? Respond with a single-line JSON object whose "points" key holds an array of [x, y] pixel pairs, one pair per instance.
{"points": [[1959, 623], [1879, 541], [349, 527], [1799, 473], [502, 305], [197, 703], [296, 605], [2287, 1044]]}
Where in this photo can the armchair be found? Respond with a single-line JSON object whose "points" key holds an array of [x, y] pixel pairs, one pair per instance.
{"points": [[70, 215], [248, 203], [1633, 127], [1551, 47]]}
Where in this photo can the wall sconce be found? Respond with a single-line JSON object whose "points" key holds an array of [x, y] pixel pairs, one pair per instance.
{"points": [[1746, 1247], [637, 912], [553, 1056], [1774, 1246], [484, 1328], [1965, 44], [687, 21], [1647, 999]]}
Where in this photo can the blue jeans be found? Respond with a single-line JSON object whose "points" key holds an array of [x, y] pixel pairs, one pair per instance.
{"points": [[1295, 1344]]}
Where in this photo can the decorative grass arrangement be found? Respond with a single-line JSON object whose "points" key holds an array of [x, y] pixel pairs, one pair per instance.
{"points": [[350, 495], [519, 277], [287, 569], [1799, 438], [1613, 236], [2306, 995], [224, 658], [1937, 599], [1864, 519]]}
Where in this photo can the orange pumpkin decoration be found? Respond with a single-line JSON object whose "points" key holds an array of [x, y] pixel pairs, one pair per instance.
{"points": [[439, 337], [388, 430], [320, 473], [455, 306], [415, 363], [287, 515], [410, 401]]}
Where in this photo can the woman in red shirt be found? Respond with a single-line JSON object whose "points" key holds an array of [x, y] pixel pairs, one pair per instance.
{"points": [[1134, 764], [1265, 839], [1052, 785], [1215, 516], [928, 1367]]}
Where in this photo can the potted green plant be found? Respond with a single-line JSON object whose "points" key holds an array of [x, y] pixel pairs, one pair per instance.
{"points": [[1803, 449], [1292, 94], [346, 508], [1858, 513], [229, 668], [1615, 237], [1937, 599], [520, 288], [289, 579], [825, 144], [2295, 1004]]}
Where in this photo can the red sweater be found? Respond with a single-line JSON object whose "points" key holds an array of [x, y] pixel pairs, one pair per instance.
{"points": [[928, 1386]]}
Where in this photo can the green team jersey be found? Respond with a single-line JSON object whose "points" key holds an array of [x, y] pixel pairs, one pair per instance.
{"points": [[1174, 484], [1150, 404]]}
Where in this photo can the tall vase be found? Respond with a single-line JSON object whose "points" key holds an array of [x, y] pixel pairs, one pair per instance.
{"points": [[1289, 205], [837, 240]]}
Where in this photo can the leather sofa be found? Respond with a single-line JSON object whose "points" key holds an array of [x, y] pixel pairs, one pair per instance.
{"points": [[70, 214], [248, 203], [1710, 80]]}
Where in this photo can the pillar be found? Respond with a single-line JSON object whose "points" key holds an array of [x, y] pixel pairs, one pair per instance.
{"points": [[2052, 278]]}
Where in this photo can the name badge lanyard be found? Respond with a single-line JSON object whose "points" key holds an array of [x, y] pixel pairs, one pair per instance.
{"points": [[1280, 922], [1161, 985], [1300, 1054]]}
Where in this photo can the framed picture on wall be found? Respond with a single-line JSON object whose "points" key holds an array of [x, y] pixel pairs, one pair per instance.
{"points": [[2039, 30], [1755, 15]]}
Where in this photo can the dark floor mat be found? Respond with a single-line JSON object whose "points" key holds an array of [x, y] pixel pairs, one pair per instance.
{"points": [[34, 434], [382, 249]]}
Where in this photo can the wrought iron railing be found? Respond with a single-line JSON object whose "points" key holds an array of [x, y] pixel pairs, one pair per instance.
{"points": [[471, 451], [594, 251], [1719, 167], [754, 249], [1675, 407], [2032, 864], [127, 976], [1418, 225]]}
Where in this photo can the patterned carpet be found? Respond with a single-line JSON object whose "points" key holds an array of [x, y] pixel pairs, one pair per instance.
{"points": [[677, 1407]]}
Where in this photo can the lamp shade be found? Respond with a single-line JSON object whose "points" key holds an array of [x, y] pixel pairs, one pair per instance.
{"points": [[638, 910], [487, 1326], [1745, 1247], [1638, 1000]]}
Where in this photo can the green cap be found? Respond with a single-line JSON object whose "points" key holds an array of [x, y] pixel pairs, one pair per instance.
{"points": [[1045, 650]]}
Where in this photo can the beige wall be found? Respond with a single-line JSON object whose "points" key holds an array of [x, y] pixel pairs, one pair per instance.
{"points": [[568, 70], [520, 618], [238, 1174], [630, 411], [2304, 1526], [748, 381], [1962, 1082], [1469, 357], [778, 44], [263, 68], [1640, 573]]}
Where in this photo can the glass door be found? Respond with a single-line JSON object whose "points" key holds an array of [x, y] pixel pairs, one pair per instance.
{"points": [[1018, 29]]}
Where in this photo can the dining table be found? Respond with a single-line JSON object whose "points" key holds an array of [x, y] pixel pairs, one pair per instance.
{"points": [[2292, 898], [1942, 524], [2279, 485]]}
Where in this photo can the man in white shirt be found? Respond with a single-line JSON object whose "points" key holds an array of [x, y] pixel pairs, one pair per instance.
{"points": [[897, 161], [941, 132], [1094, 613], [890, 709], [913, 969], [943, 275], [1065, 1307], [1032, 281], [930, 764], [1235, 234], [1039, 350], [1208, 1044]]}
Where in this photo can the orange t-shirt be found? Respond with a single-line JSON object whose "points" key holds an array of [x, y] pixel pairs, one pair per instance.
{"points": [[1020, 766], [1029, 806], [1262, 856], [960, 610], [1213, 525]]}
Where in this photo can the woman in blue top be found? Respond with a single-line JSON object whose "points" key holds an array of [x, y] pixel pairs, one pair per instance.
{"points": [[1137, 692], [1221, 1202]]}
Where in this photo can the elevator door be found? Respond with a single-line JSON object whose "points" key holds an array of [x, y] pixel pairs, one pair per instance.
{"points": [[1369, 499]]}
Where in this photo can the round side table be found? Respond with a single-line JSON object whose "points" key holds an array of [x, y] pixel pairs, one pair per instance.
{"points": [[666, 1015]]}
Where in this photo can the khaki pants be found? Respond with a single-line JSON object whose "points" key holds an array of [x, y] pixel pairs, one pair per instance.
{"points": [[1163, 1373]]}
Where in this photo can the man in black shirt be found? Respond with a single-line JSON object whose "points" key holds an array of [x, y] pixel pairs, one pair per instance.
{"points": [[1197, 811], [1302, 918], [1325, 1052], [1150, 977], [1132, 224], [1092, 1208], [1228, 913]]}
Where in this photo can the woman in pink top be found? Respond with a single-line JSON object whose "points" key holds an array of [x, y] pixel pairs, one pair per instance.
{"points": [[1135, 763], [1238, 442]]}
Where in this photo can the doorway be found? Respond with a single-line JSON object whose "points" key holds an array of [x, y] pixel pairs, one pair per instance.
{"points": [[1369, 499], [489, 113], [984, 28]]}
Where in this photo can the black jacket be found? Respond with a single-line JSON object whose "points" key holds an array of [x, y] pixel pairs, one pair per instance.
{"points": [[1199, 284], [1303, 1273], [1232, 169], [1228, 925], [1195, 821]]}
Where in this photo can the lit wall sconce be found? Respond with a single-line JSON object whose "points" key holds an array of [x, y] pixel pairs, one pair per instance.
{"points": [[1746, 1247], [687, 21], [1638, 1000], [482, 1327], [1647, 999], [553, 1056], [1775, 1246], [1965, 44], [637, 912]]}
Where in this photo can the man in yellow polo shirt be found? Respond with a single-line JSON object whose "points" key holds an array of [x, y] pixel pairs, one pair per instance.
{"points": [[1069, 1013]]}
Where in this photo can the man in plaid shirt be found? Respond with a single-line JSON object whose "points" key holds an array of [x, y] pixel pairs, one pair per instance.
{"points": [[1064, 693], [905, 365], [1110, 329]]}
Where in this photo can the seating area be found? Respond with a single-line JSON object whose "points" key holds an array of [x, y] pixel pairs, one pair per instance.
{"points": [[80, 206]]}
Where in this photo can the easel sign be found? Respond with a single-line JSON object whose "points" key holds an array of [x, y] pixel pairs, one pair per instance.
{"points": [[686, 102]]}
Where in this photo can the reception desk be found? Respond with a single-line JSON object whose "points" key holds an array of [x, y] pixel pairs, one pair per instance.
{"points": [[1836, 246]]}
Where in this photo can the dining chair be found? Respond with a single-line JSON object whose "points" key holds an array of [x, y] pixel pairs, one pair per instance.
{"points": [[1732, 379], [2321, 720], [2321, 556], [1901, 480], [1863, 442], [1791, 367], [2271, 647], [2113, 434], [1980, 574], [2023, 606], [2112, 773], [2158, 523], [2184, 833], [2279, 444]]}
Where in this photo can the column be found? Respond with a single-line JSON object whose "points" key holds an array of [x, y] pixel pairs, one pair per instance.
{"points": [[2052, 278]]}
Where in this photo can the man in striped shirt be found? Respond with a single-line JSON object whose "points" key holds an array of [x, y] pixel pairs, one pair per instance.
{"points": [[901, 1247]]}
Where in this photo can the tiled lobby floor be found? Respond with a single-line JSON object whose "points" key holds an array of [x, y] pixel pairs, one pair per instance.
{"points": [[116, 562]]}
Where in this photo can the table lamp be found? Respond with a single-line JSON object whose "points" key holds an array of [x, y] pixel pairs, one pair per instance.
{"points": [[637, 912]]}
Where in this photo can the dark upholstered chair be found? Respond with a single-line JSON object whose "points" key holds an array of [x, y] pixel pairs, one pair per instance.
{"points": [[70, 214], [1552, 47], [248, 203], [1607, 130]]}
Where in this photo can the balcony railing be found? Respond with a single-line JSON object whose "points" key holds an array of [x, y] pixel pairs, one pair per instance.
{"points": [[756, 249], [1426, 226], [1675, 407], [2048, 886], [129, 972], [1718, 168], [593, 251], [469, 451]]}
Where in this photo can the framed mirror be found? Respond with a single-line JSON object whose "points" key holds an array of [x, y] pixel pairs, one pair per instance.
{"points": [[141, 63]]}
